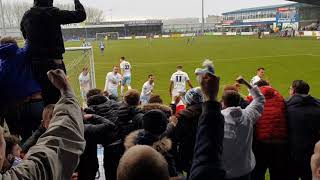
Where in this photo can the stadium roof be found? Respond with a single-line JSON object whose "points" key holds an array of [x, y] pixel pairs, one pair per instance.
{"points": [[313, 2], [264, 8]]}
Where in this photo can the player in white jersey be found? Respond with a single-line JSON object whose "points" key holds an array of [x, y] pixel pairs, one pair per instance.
{"points": [[125, 67], [147, 90], [258, 77], [113, 80], [178, 83], [85, 83], [102, 46]]}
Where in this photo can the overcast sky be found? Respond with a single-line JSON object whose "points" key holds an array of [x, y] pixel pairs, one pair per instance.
{"points": [[131, 9]]}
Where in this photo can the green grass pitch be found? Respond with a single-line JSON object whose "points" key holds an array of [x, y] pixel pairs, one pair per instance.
{"points": [[284, 59]]}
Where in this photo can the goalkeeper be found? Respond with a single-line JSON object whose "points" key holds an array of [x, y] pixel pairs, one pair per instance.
{"points": [[41, 26]]}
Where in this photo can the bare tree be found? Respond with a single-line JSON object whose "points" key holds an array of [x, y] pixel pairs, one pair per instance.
{"points": [[14, 10]]}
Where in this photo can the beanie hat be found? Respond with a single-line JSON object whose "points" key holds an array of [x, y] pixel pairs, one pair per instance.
{"points": [[208, 68], [193, 96], [155, 122]]}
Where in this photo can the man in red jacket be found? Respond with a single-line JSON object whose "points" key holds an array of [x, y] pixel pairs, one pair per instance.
{"points": [[270, 142]]}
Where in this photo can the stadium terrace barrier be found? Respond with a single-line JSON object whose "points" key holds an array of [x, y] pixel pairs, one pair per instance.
{"points": [[214, 34], [231, 33], [125, 38], [301, 33], [187, 35], [247, 33], [141, 37], [166, 36], [310, 33]]}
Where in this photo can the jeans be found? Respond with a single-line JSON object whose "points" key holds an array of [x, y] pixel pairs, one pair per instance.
{"points": [[50, 93]]}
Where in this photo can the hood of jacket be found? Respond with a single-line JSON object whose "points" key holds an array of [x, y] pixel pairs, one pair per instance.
{"points": [[268, 92], [43, 3], [299, 99], [154, 106], [141, 137], [8, 50], [234, 113]]}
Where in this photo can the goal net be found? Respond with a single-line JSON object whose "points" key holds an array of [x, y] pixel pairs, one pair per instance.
{"points": [[107, 36], [75, 59]]}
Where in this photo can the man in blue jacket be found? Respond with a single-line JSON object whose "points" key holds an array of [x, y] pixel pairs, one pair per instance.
{"points": [[16, 79]]}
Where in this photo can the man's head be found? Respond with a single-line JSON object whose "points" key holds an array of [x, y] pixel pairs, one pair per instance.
{"points": [[155, 122], [260, 72], [12, 147], [93, 92], [122, 59], [85, 71], [155, 99], [115, 69], [47, 115], [151, 78], [43, 3], [193, 96], [179, 67], [299, 87], [142, 163], [230, 88], [315, 162], [132, 97], [231, 98], [8, 40]]}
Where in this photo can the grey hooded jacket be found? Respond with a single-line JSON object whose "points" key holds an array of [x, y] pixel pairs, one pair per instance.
{"points": [[238, 158], [57, 152]]}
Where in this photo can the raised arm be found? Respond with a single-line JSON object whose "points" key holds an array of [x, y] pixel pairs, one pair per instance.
{"points": [[57, 152], [76, 16], [255, 108], [207, 162]]}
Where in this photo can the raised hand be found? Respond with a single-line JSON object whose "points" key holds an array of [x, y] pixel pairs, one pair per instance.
{"points": [[210, 86]]}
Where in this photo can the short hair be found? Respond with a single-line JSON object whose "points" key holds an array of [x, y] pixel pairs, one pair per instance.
{"points": [[179, 67], [8, 40], [11, 141], [230, 88], [261, 68], [132, 97], [93, 92], [262, 83], [231, 98], [300, 87], [150, 75], [122, 58], [155, 99], [142, 162]]}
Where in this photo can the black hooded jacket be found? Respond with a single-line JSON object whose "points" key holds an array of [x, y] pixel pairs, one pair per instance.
{"points": [[303, 115], [41, 26], [102, 106]]}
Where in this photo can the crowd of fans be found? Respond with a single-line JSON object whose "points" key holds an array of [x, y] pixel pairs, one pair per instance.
{"points": [[196, 138]]}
